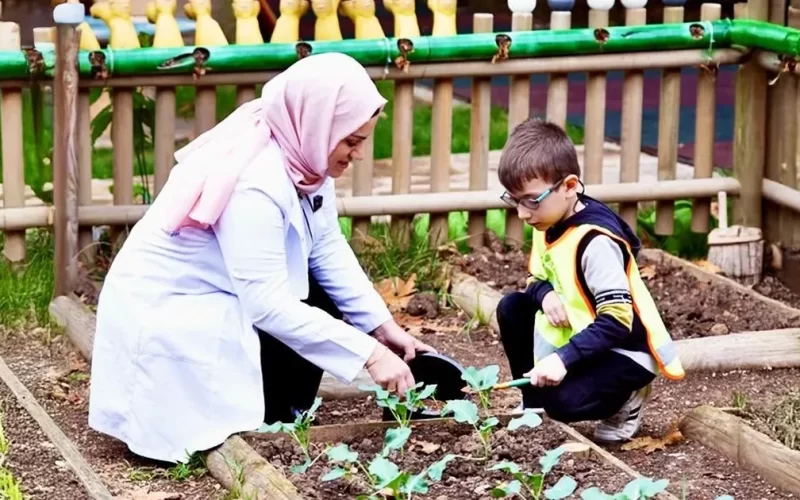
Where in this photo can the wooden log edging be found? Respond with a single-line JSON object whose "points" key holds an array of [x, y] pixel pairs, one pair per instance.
{"points": [[240, 469], [235, 464], [91, 482], [771, 348], [746, 447]]}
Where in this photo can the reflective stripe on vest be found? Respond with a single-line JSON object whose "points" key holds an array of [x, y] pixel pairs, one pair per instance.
{"points": [[557, 263]]}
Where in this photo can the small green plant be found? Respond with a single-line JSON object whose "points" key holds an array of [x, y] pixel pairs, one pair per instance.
{"points": [[402, 408], [298, 430], [382, 477], [481, 382], [9, 486]]}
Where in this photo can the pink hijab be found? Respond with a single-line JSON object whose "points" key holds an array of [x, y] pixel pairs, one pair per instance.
{"points": [[307, 109]]}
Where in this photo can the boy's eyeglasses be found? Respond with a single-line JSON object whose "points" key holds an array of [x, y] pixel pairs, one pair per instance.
{"points": [[529, 202]]}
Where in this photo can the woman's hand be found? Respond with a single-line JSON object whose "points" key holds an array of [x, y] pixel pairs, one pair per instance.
{"points": [[389, 371], [554, 310], [395, 338]]}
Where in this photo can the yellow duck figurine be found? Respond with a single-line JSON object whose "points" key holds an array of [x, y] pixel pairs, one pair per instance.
{"points": [[117, 15], [248, 31], [405, 18], [444, 17], [88, 39], [207, 31], [362, 12], [327, 25], [162, 14], [287, 27]]}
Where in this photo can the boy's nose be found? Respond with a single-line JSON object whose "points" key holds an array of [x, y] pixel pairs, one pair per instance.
{"points": [[523, 213]]}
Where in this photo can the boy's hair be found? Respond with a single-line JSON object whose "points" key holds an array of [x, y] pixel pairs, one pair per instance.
{"points": [[536, 149]]}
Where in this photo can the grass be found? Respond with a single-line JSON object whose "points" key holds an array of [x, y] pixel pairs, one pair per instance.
{"points": [[38, 150], [9, 486], [25, 292]]}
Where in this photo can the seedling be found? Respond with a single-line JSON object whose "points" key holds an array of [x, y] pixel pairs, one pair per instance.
{"points": [[384, 478], [298, 430], [482, 382], [533, 483], [402, 408]]}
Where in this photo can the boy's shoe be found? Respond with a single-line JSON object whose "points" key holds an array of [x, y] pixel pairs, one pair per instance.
{"points": [[625, 423]]}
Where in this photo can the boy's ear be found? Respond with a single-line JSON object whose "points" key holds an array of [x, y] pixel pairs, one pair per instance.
{"points": [[572, 183]]}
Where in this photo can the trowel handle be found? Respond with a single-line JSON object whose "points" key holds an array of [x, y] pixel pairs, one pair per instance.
{"points": [[513, 383], [722, 202]]}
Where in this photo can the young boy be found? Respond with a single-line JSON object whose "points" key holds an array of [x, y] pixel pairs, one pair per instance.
{"points": [[596, 336]]}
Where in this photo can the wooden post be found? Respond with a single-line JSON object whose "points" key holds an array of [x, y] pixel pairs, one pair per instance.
{"points": [[669, 113], [631, 140], [557, 88], [441, 151], [12, 149], [595, 117], [480, 118], [705, 125], [749, 141], [519, 104], [65, 143]]}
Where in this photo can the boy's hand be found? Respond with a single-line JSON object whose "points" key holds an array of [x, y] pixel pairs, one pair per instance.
{"points": [[549, 371], [554, 310]]}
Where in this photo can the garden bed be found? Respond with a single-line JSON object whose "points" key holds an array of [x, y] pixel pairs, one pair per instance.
{"points": [[690, 307], [467, 475], [58, 377]]}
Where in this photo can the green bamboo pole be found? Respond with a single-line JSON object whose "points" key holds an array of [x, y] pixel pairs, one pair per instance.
{"points": [[13, 65], [479, 46]]}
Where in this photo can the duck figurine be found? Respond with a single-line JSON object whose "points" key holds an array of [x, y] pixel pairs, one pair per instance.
{"points": [[248, 32], [405, 18], [362, 13], [117, 15], [287, 27], [162, 14], [444, 17], [207, 31], [327, 25]]}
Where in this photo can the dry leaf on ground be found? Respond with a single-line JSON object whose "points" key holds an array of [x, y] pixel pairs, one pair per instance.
{"points": [[427, 448], [647, 272], [143, 494], [708, 266], [396, 292], [650, 444]]}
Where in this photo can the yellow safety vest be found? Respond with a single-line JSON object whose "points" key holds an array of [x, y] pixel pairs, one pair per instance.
{"points": [[557, 263]]}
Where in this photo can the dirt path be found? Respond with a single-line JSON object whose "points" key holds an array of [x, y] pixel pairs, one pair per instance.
{"points": [[58, 378]]}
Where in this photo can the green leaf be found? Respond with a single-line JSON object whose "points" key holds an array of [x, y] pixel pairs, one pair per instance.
{"points": [[342, 453], [100, 122], [505, 489], [416, 484], [528, 419], [652, 488], [380, 392], [482, 379], [595, 493], [384, 470], [464, 412], [333, 474], [489, 423], [395, 439], [436, 469], [272, 428], [562, 489], [507, 466], [314, 407], [427, 392], [300, 469], [551, 458]]}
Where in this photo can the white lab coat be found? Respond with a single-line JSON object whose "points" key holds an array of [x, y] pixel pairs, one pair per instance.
{"points": [[176, 360]]}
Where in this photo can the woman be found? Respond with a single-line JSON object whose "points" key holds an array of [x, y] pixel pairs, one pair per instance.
{"points": [[225, 304]]}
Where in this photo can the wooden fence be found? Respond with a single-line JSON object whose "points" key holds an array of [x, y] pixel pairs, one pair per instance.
{"points": [[764, 186]]}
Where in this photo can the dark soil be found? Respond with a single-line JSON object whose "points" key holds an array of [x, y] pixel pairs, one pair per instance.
{"points": [[39, 469], [464, 478], [689, 307], [58, 378]]}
